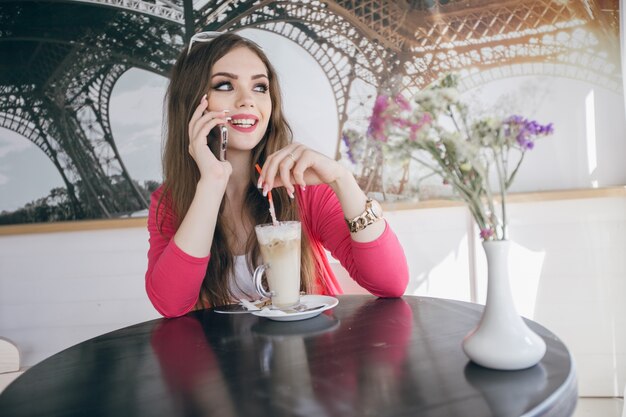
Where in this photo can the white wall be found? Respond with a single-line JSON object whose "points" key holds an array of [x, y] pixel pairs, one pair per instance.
{"points": [[58, 289], [568, 272], [588, 144], [579, 248]]}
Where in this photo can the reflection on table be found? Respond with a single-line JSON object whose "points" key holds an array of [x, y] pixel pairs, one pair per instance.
{"points": [[366, 357]]}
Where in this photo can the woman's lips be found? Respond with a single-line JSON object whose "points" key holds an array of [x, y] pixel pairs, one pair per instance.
{"points": [[245, 123]]}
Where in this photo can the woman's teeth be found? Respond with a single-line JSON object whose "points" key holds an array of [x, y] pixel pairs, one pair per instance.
{"points": [[243, 122]]}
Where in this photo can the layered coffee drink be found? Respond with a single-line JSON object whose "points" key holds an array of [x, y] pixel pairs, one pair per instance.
{"points": [[280, 249]]}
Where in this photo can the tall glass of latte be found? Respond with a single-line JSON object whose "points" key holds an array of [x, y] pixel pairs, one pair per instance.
{"points": [[280, 249]]}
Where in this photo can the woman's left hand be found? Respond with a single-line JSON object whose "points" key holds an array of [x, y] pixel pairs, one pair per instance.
{"points": [[297, 164]]}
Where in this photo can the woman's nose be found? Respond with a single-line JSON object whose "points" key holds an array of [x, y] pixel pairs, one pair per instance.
{"points": [[245, 99]]}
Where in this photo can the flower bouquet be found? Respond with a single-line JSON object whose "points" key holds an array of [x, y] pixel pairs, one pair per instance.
{"points": [[479, 158], [437, 131]]}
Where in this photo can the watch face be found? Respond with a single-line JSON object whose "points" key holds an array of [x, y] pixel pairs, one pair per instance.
{"points": [[377, 210]]}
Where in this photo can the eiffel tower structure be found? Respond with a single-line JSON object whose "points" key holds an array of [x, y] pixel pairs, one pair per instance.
{"points": [[61, 59], [59, 63]]}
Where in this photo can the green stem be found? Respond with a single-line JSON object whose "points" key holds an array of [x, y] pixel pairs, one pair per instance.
{"points": [[460, 129], [519, 163], [443, 174], [489, 193], [502, 184], [467, 194]]}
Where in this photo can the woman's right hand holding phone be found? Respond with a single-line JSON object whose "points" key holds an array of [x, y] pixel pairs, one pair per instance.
{"points": [[195, 233], [201, 123]]}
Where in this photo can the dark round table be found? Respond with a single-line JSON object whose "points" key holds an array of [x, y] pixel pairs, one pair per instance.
{"points": [[366, 357]]}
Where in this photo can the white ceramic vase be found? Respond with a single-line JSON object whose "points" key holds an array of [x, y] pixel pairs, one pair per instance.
{"points": [[502, 340]]}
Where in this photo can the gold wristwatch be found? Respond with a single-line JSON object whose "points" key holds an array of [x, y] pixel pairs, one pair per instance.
{"points": [[373, 212]]}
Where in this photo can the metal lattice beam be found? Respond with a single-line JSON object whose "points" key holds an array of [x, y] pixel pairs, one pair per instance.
{"points": [[56, 83], [371, 40], [166, 10], [58, 92]]}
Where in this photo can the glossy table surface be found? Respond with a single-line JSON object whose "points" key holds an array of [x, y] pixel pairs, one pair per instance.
{"points": [[366, 357]]}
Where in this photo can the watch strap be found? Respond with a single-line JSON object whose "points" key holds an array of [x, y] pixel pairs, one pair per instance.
{"points": [[360, 222]]}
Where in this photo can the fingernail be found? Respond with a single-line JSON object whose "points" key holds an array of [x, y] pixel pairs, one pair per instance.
{"points": [[204, 97], [265, 190], [229, 118], [303, 187], [290, 193], [259, 184]]}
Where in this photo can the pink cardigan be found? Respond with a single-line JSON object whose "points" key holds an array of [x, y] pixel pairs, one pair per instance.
{"points": [[173, 278]]}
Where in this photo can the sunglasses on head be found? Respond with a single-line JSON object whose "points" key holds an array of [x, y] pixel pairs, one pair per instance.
{"points": [[208, 36]]}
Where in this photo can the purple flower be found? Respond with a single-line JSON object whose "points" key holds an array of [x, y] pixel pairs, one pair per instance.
{"points": [[380, 105], [486, 234], [376, 128], [548, 129], [415, 127], [346, 141], [533, 127], [515, 119], [402, 102], [400, 122], [523, 141], [388, 112], [527, 130]]}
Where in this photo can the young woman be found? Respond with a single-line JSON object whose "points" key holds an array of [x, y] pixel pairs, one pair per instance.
{"points": [[201, 220]]}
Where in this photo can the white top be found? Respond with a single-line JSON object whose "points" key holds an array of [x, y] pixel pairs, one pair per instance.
{"points": [[242, 286]]}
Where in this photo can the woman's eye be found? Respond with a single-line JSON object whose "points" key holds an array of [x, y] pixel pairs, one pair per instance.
{"points": [[223, 86], [261, 88]]}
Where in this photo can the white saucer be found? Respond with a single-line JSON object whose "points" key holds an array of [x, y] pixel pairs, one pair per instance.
{"points": [[309, 300]]}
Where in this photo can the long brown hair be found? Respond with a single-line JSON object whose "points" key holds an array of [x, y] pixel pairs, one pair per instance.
{"points": [[189, 80]]}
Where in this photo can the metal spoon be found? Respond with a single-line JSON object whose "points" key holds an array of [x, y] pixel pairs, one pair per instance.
{"points": [[302, 308]]}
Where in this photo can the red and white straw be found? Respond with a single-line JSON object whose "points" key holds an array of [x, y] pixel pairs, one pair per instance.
{"points": [[271, 201]]}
